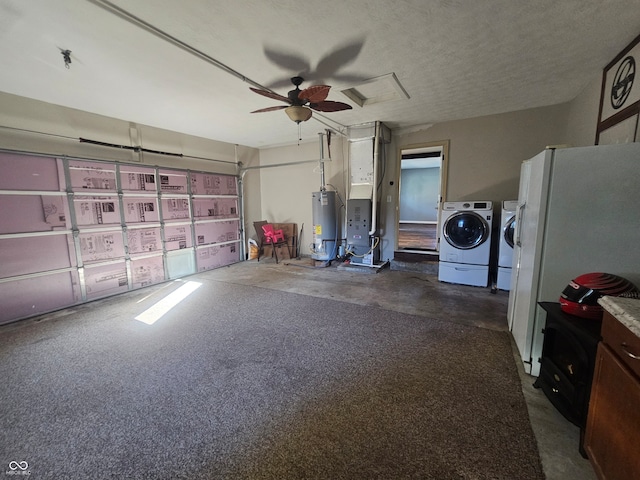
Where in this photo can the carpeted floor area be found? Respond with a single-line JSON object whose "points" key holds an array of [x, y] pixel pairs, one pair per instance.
{"points": [[241, 382]]}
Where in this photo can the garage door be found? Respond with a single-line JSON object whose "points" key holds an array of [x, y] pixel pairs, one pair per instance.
{"points": [[74, 230]]}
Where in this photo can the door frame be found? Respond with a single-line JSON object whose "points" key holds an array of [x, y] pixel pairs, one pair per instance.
{"points": [[426, 146]]}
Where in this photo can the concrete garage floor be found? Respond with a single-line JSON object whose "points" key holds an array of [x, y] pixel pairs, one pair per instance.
{"points": [[422, 294]]}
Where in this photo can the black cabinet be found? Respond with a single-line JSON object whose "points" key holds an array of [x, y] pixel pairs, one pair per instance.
{"points": [[567, 363]]}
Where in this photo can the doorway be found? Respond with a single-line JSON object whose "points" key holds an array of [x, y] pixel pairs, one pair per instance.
{"points": [[421, 189]]}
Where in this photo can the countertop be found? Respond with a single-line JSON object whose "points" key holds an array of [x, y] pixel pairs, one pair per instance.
{"points": [[626, 310]]}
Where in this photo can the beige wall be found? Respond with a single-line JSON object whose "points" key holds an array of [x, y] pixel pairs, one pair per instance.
{"points": [[582, 117], [286, 190], [485, 153], [39, 127]]}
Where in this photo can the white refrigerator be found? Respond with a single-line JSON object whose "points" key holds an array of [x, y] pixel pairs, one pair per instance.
{"points": [[578, 212]]}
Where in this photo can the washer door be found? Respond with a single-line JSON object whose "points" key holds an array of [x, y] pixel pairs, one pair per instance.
{"points": [[465, 230], [509, 230]]}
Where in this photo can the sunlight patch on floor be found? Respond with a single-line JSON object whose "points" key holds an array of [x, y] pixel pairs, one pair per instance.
{"points": [[156, 311]]}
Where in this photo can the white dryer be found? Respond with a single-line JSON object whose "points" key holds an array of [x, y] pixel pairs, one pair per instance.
{"points": [[465, 243], [505, 247]]}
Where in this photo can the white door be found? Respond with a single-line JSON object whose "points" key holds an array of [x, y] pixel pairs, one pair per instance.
{"points": [[529, 237]]}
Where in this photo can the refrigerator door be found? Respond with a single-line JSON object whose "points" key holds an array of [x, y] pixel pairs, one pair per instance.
{"points": [[532, 201], [525, 173]]}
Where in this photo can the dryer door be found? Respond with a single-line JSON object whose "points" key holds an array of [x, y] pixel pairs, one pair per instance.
{"points": [[465, 230], [508, 230]]}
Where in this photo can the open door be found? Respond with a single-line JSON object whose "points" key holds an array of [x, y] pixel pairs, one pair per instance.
{"points": [[421, 183]]}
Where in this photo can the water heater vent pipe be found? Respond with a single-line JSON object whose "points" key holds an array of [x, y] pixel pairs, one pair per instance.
{"points": [[322, 182], [374, 195]]}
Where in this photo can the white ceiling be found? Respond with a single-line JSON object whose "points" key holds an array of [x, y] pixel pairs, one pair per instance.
{"points": [[455, 58]]}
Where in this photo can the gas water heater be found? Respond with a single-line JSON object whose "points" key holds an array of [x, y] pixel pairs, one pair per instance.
{"points": [[325, 225]]}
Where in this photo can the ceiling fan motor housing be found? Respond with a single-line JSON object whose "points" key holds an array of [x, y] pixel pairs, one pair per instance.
{"points": [[294, 94], [294, 98]]}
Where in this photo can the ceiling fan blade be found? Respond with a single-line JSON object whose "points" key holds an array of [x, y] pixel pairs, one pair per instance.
{"points": [[315, 93], [329, 106], [267, 93], [270, 109]]}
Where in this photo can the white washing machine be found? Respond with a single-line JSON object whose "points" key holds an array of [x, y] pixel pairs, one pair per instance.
{"points": [[505, 247], [465, 243]]}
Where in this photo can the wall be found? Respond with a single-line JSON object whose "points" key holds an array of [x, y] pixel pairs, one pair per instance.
{"points": [[286, 190], [582, 118], [414, 203], [485, 153], [484, 157], [39, 127]]}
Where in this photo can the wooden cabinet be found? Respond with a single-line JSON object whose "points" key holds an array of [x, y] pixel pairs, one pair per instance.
{"points": [[613, 422]]}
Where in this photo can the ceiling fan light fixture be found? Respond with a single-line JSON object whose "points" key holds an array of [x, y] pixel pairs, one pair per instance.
{"points": [[298, 114]]}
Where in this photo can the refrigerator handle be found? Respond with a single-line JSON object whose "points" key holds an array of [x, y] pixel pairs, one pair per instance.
{"points": [[519, 216]]}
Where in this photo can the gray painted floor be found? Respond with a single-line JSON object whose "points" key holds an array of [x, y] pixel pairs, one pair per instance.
{"points": [[422, 294]]}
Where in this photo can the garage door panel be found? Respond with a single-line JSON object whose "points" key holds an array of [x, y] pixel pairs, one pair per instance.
{"points": [[21, 256], [33, 296]]}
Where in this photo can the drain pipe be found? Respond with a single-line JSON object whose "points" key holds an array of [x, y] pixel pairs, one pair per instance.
{"points": [[374, 200]]}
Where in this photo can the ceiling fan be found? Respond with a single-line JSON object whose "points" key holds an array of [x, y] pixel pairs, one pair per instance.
{"points": [[302, 102]]}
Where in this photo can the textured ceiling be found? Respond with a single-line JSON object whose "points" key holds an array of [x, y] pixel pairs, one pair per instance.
{"points": [[456, 59]]}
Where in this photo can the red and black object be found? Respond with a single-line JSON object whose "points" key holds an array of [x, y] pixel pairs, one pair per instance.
{"points": [[580, 297]]}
